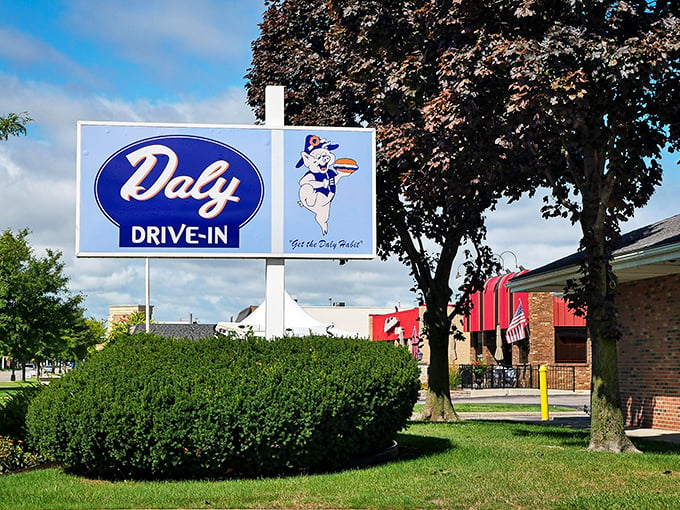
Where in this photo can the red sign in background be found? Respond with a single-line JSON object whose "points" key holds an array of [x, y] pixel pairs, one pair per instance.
{"points": [[385, 327]]}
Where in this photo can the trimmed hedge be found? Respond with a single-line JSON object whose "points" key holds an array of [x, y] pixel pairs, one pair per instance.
{"points": [[155, 408]]}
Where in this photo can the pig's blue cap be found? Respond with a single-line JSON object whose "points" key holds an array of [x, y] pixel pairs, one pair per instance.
{"points": [[314, 142]]}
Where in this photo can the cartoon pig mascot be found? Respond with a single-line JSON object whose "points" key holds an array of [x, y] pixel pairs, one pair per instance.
{"points": [[318, 186]]}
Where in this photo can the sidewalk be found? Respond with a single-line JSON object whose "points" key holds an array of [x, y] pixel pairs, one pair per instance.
{"points": [[577, 418]]}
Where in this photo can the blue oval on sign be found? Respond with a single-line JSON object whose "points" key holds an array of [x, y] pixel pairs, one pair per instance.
{"points": [[179, 191]]}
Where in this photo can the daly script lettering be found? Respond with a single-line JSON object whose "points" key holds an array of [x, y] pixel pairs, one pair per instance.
{"points": [[210, 184]]}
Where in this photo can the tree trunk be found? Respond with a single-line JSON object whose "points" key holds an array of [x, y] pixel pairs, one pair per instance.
{"points": [[438, 405], [606, 421]]}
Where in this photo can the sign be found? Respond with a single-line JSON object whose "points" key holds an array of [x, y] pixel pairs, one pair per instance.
{"points": [[182, 190]]}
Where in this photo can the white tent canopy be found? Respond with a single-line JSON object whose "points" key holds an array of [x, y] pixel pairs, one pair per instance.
{"points": [[295, 322]]}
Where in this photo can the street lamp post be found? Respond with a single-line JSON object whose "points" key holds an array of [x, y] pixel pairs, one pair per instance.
{"points": [[517, 266]]}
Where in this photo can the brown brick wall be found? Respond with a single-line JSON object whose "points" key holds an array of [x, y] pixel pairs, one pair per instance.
{"points": [[542, 331], [583, 375], [649, 352]]}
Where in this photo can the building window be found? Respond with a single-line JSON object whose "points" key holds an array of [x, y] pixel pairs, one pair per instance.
{"points": [[571, 345]]}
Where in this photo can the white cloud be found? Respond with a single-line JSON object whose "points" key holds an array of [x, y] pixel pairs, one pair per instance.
{"points": [[9, 168], [24, 48], [38, 191], [28, 52], [38, 180], [154, 28], [119, 277], [162, 40]]}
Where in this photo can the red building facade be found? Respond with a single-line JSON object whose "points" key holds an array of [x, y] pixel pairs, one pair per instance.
{"points": [[387, 327]]}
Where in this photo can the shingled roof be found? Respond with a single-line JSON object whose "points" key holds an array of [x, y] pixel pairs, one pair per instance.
{"points": [[178, 330], [648, 252]]}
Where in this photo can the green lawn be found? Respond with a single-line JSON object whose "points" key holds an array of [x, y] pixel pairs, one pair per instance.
{"points": [[472, 464], [7, 388]]}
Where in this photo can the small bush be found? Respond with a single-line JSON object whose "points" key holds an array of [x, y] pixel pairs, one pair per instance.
{"points": [[454, 377], [13, 412], [153, 408], [14, 457]]}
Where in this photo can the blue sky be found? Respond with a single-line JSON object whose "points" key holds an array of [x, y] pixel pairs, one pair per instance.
{"points": [[178, 61], [157, 50]]}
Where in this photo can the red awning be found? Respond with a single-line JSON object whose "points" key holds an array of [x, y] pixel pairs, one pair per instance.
{"points": [[490, 303], [473, 321], [505, 307], [495, 305]]}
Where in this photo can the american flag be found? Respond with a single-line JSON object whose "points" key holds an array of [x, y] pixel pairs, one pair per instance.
{"points": [[517, 327]]}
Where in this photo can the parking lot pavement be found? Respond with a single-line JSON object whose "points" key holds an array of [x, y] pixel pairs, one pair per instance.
{"points": [[572, 399], [576, 400], [5, 375]]}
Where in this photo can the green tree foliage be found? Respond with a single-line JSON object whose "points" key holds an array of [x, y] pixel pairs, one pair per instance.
{"points": [[81, 340], [121, 329], [473, 97], [13, 411], [375, 63], [37, 311], [585, 97], [13, 124]]}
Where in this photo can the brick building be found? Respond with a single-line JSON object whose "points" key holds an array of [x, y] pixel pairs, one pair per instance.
{"points": [[556, 337], [119, 313], [647, 265]]}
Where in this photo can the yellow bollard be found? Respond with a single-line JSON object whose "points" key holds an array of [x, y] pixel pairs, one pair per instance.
{"points": [[543, 384]]}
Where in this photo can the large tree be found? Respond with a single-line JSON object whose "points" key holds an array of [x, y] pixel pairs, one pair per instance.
{"points": [[37, 310], [587, 97], [375, 63], [578, 96]]}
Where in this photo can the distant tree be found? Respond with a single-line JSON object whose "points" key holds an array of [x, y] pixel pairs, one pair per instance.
{"points": [[374, 63], [122, 328], [586, 95], [82, 339], [37, 310], [13, 124]]}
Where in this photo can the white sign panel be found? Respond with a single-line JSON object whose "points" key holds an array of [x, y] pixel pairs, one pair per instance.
{"points": [[181, 190]]}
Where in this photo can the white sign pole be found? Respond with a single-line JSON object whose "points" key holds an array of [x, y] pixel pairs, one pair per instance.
{"points": [[148, 296], [275, 267]]}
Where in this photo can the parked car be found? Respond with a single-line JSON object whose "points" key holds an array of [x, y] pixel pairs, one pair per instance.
{"points": [[30, 369]]}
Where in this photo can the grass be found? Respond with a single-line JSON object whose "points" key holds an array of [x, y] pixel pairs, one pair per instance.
{"points": [[471, 464], [8, 388], [15, 385]]}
